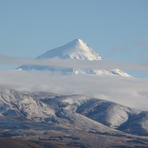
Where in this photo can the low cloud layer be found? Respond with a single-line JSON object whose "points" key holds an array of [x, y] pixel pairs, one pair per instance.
{"points": [[127, 91], [69, 63]]}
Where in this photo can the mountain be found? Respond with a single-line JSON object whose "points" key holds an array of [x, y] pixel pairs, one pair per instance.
{"points": [[16, 104], [108, 113], [76, 50], [77, 111], [28, 107], [73, 120]]}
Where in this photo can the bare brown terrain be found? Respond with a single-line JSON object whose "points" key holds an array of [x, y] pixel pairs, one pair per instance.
{"points": [[17, 143]]}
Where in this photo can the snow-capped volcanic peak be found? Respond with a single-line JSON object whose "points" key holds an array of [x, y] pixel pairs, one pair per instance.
{"points": [[76, 49]]}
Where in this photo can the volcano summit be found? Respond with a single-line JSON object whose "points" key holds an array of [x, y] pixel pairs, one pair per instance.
{"points": [[74, 50]]}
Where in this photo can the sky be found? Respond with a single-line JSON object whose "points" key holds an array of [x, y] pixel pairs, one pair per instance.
{"points": [[116, 29]]}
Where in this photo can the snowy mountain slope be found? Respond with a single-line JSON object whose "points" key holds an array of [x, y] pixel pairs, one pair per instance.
{"points": [[68, 112], [136, 123], [83, 123], [108, 113], [34, 113], [15, 104], [76, 49]]}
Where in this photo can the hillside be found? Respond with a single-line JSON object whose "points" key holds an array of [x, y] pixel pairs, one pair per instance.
{"points": [[74, 120]]}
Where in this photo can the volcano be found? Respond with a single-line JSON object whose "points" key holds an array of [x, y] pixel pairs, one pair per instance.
{"points": [[75, 50]]}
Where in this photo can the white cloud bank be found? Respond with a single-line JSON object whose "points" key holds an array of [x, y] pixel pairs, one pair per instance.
{"points": [[69, 63], [132, 92]]}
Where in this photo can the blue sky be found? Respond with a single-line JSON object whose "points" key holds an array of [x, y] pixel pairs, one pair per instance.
{"points": [[116, 29]]}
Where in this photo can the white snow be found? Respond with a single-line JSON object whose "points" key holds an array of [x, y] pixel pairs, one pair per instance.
{"points": [[13, 102], [76, 49]]}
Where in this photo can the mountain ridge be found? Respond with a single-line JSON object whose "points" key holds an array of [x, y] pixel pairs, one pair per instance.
{"points": [[75, 120], [58, 109]]}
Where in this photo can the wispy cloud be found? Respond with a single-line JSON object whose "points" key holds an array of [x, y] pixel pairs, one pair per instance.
{"points": [[143, 50], [142, 43], [69, 63], [118, 49]]}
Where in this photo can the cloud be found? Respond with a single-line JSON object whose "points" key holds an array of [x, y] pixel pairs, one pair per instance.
{"points": [[143, 50], [141, 43], [126, 91], [69, 63], [6, 60], [117, 49]]}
